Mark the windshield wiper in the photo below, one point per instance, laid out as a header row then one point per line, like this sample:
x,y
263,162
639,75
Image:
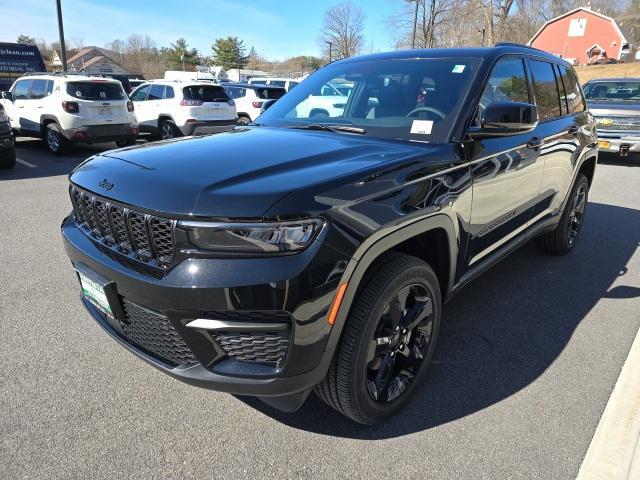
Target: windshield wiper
x,y
331,128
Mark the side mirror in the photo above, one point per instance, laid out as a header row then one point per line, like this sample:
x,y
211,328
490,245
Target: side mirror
x,y
7,96
266,105
501,119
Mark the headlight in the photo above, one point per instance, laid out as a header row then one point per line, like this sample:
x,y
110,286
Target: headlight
x,y
277,237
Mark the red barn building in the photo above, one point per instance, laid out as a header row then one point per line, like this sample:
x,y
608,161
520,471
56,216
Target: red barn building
x,y
581,36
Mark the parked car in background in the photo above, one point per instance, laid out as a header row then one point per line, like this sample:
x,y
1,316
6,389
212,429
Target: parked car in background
x,y
66,108
135,83
283,82
17,59
615,103
7,143
303,254
172,109
326,101
250,98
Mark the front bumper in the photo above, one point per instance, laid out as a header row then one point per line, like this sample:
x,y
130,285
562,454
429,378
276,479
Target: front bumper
x,y
204,127
101,133
195,288
619,143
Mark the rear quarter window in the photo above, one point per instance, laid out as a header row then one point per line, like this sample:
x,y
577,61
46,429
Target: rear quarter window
x,y
96,90
269,93
205,93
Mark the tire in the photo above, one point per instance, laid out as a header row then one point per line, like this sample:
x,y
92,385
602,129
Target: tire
x,y
357,384
126,142
55,142
168,130
242,120
8,162
565,236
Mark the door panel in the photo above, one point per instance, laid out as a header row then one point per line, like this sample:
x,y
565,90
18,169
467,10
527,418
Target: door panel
x,y
506,171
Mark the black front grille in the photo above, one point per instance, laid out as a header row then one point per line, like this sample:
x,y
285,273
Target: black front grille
x,y
154,334
255,347
128,231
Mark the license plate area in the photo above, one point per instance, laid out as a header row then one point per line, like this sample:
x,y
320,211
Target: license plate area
x,y
603,144
101,293
104,110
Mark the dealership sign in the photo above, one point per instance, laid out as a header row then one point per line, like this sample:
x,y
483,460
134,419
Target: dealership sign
x,y
18,58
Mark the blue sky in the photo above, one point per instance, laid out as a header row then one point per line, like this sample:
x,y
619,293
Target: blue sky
x,y
276,28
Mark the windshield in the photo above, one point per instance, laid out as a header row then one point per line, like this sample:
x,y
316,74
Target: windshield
x,y
96,90
613,91
413,99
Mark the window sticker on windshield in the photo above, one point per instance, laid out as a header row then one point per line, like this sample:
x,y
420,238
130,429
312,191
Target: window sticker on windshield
x,y
421,127
458,69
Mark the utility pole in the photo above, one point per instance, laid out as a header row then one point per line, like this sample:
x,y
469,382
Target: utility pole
x,y
415,25
63,47
330,50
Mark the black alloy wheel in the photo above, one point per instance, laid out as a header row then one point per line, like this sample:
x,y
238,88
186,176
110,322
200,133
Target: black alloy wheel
x,y
400,343
387,342
565,236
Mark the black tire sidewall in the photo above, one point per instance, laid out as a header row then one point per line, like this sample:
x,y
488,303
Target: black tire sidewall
x,y
372,411
9,162
581,180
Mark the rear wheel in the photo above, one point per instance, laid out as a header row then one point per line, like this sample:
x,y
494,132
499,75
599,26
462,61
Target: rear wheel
x,y
242,120
169,130
565,236
126,142
8,162
55,142
387,343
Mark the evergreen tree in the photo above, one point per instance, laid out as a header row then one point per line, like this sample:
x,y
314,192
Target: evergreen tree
x,y
229,52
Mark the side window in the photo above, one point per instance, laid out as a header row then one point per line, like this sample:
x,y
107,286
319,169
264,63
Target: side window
x,y
507,83
168,92
49,87
140,95
156,92
574,96
21,90
38,89
545,89
562,90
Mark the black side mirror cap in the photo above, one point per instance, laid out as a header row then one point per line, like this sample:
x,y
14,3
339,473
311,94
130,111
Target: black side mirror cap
x,y
501,119
7,96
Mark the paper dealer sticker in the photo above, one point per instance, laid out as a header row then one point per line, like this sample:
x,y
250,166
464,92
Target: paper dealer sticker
x,y
421,127
458,69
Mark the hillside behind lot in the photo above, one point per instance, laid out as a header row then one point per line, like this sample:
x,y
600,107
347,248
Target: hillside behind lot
x,y
599,71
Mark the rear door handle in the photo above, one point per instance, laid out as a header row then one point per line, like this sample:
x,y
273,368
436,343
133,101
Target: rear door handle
x,y
535,142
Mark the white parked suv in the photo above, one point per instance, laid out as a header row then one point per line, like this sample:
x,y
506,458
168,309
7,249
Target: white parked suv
x,y
67,108
171,108
249,99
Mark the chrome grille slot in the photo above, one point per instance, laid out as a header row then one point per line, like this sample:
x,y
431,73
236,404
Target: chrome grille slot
x,y
149,238
618,123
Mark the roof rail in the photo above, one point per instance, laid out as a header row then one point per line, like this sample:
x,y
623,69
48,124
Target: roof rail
x,y
521,45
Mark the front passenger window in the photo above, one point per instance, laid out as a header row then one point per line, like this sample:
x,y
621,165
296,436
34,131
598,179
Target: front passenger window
x,y
141,94
507,83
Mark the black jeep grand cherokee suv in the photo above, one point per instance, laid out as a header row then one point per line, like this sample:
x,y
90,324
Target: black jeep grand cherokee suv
x,y
314,249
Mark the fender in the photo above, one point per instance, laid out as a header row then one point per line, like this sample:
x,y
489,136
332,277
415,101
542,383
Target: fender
x,y
46,118
373,248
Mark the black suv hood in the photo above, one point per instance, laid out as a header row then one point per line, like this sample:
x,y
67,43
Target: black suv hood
x,y
231,175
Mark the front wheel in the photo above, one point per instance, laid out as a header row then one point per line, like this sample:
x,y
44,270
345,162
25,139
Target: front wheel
x,y
387,342
9,162
565,236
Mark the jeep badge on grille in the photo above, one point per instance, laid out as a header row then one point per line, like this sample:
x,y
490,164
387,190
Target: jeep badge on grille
x,y
106,184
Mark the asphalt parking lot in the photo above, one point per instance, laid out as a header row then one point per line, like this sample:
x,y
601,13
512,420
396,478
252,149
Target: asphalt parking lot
x,y
527,359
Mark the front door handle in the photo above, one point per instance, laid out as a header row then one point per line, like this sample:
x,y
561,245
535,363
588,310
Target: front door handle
x,y
535,142
574,129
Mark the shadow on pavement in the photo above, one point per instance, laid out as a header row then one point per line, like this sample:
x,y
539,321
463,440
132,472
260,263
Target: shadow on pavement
x,y
503,331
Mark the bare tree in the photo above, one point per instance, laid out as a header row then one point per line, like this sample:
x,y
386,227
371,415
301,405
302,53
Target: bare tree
x,y
341,31
432,14
496,13
143,56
